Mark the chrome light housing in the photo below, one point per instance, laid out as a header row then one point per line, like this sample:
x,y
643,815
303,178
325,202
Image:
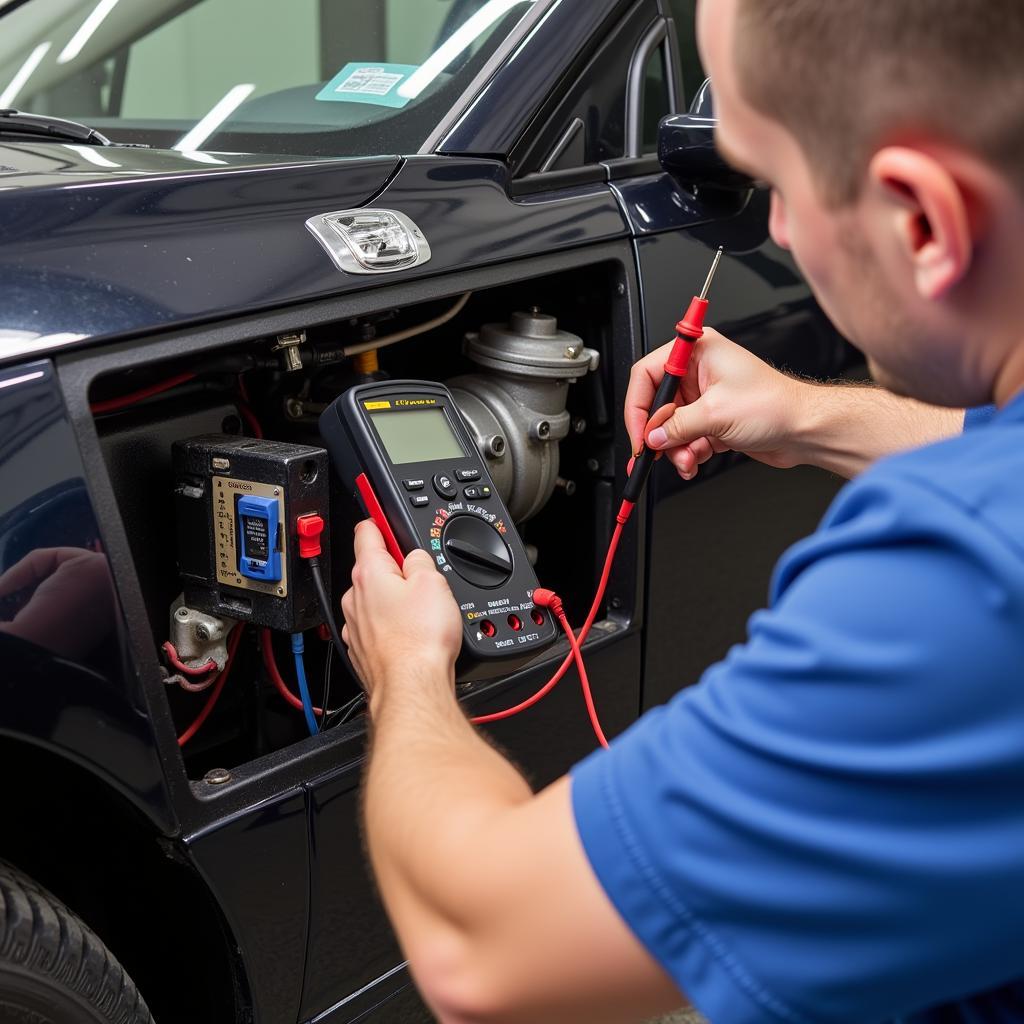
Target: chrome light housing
x,y
370,241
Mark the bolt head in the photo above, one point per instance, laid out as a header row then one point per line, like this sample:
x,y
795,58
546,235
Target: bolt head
x,y
620,289
202,633
217,777
182,613
543,428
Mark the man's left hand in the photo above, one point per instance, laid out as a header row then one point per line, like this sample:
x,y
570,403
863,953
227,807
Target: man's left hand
x,y
402,625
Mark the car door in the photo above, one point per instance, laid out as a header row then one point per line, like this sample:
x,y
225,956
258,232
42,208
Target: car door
x,y
713,541
605,128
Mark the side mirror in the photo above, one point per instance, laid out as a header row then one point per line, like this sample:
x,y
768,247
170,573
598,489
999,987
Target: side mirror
x,y
686,148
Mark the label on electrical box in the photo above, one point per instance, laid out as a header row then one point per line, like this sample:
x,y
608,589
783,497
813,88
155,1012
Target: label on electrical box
x,y
257,543
378,84
231,528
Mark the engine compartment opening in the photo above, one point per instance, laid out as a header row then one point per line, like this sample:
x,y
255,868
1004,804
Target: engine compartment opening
x,y
530,366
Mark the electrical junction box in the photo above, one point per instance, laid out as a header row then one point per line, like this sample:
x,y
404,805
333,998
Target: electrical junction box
x,y
237,503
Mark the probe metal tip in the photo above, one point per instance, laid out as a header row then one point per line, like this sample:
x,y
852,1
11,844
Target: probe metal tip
x,y
711,272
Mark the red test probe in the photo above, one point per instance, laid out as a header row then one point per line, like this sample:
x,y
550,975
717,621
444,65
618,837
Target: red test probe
x,y
689,331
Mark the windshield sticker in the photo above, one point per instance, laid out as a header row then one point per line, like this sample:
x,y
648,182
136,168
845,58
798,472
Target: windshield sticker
x,y
369,83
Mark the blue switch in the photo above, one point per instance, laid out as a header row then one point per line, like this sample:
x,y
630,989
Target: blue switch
x,y
259,557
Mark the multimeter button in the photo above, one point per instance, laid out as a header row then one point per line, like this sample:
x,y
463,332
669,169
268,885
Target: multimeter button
x,y
444,486
471,492
464,476
476,551
485,492
420,500
414,485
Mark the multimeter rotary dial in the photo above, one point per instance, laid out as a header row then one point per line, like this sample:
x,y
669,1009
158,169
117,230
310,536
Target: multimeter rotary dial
x,y
476,551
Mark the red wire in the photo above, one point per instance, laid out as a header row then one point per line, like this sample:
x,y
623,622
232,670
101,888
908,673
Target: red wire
x,y
250,418
172,656
588,696
606,572
245,408
275,676
218,688
113,404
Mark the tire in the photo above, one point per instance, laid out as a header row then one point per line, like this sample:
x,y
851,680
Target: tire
x,y
53,968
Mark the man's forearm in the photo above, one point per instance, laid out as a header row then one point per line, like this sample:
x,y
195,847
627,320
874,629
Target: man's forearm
x,y
846,427
433,785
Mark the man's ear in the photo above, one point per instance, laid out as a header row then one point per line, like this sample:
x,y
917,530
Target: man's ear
x,y
927,209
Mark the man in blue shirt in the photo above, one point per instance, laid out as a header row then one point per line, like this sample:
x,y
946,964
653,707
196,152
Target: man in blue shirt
x,y
830,826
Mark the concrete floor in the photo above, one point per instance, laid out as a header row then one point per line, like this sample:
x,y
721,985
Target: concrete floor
x,y
680,1017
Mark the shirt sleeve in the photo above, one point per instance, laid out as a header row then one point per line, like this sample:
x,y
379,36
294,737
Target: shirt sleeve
x,y
830,826
980,416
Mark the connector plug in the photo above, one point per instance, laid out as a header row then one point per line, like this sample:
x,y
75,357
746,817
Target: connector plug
x,y
544,598
309,528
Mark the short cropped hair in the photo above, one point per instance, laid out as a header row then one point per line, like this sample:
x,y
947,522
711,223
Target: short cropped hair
x,y
845,76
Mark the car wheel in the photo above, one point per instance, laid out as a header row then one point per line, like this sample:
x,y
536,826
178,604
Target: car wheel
x,y
53,968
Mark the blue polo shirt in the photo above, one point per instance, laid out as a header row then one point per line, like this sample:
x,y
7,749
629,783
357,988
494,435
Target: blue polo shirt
x,y
829,827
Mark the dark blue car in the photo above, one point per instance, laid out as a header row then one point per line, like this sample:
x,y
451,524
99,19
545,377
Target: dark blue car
x,y
216,216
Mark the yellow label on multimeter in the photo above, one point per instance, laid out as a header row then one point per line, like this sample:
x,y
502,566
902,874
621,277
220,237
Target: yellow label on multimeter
x,y
376,405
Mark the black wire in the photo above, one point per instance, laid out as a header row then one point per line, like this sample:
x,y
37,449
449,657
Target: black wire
x,y
332,627
325,689
353,706
343,714
325,609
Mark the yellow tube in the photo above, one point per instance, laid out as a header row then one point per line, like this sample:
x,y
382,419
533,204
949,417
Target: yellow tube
x,y
366,362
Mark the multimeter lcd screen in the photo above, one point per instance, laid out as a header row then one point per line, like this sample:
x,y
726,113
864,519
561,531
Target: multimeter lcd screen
x,y
419,435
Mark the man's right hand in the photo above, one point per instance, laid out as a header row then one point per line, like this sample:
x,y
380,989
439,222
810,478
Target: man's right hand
x,y
730,400
733,401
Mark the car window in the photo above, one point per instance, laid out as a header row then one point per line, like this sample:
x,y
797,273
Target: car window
x,y
596,102
325,77
683,13
656,103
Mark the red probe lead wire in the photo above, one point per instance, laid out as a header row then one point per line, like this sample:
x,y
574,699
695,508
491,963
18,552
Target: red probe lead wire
x,y
575,640
689,331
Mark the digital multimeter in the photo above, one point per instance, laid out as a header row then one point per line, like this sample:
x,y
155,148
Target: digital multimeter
x,y
404,449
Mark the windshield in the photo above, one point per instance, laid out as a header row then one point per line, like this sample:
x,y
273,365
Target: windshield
x,y
302,77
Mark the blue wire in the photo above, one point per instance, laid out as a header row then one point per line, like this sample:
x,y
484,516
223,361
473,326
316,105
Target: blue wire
x,y
300,673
